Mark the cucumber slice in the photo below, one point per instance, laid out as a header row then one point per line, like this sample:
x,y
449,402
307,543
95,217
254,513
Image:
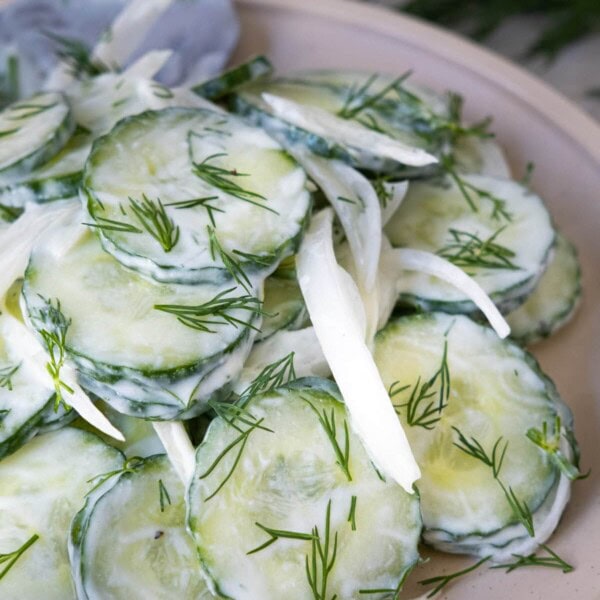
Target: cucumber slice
x,y
285,477
32,131
199,170
26,391
555,299
214,89
489,238
57,179
480,156
284,307
43,485
152,362
489,390
129,541
381,103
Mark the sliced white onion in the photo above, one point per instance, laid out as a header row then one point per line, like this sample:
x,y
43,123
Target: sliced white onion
x,y
17,241
371,413
178,447
35,354
148,65
345,132
309,360
427,262
397,191
356,205
128,31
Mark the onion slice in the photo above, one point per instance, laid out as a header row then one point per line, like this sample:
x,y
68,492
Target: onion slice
x,y
178,447
346,133
432,264
371,412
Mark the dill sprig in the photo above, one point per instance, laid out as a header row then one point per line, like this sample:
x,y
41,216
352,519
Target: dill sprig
x,y
234,413
3,414
549,443
203,202
468,250
419,414
328,422
129,466
154,219
76,55
8,132
389,593
352,513
319,562
105,224
240,443
473,448
233,266
163,495
11,558
499,210
223,179
6,374
531,560
274,375
442,581
54,336
216,311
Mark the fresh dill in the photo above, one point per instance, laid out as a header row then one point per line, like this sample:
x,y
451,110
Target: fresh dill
x,y
473,448
129,466
3,414
499,210
105,224
549,443
346,200
27,110
352,513
233,266
389,593
328,422
163,495
234,413
240,443
419,414
216,311
54,336
468,250
442,581
77,56
8,132
203,202
6,374
528,174
319,562
153,217
222,179
384,193
531,560
11,558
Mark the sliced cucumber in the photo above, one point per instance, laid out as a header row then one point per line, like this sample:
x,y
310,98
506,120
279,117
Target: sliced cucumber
x,y
284,307
214,89
57,179
277,470
379,103
490,238
490,391
43,485
200,170
121,342
555,299
129,541
481,156
26,390
32,131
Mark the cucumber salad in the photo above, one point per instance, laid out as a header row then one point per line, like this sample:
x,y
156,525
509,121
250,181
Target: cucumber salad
x,y
262,336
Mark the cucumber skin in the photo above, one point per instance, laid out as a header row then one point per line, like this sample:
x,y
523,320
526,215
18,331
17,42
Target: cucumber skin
x,y
45,152
41,190
215,89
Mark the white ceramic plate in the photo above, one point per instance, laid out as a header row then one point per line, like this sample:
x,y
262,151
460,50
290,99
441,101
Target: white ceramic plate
x,y
534,123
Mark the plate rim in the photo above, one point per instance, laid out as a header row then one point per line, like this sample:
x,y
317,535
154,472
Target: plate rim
x,y
527,88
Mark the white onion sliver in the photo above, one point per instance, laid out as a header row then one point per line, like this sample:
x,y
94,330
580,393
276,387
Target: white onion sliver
x,y
371,413
342,131
148,65
356,205
397,191
178,447
431,264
